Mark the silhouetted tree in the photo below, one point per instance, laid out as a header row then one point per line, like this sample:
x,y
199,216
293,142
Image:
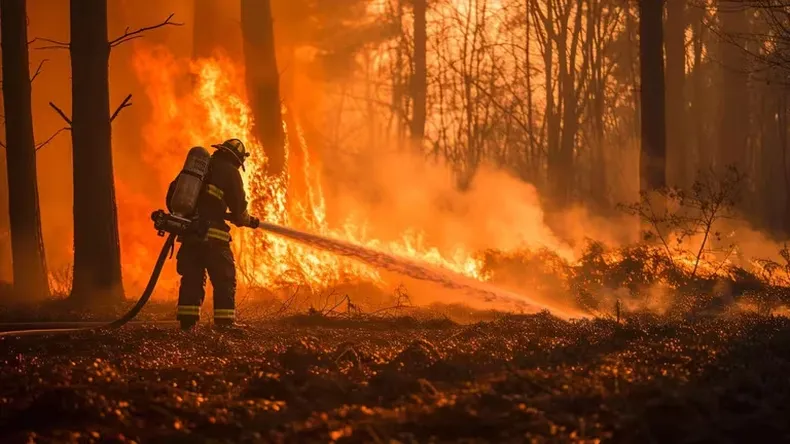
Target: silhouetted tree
x,y
734,123
207,31
677,159
419,83
651,61
263,80
27,245
97,251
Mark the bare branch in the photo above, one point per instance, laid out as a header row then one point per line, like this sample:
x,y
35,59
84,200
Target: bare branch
x,y
54,44
123,105
2,145
38,70
44,143
60,111
130,35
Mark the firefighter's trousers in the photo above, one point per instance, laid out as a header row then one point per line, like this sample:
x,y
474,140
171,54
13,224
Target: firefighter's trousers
x,y
194,259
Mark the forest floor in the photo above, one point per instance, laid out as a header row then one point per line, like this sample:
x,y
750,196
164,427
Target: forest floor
x,y
316,379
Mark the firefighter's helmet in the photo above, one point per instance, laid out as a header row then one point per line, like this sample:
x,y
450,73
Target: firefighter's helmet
x,y
236,148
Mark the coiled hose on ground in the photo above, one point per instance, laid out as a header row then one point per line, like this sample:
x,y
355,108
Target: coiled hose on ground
x,y
123,320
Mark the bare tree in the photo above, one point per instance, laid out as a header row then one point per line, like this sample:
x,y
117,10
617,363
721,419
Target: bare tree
x,y
651,61
734,123
97,251
699,155
27,244
675,91
206,31
263,85
419,83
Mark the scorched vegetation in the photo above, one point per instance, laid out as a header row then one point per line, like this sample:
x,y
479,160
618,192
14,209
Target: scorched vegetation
x,y
512,379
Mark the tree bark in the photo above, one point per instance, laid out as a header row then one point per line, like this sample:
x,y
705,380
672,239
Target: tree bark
x,y
206,34
27,244
97,252
651,64
532,156
419,83
263,83
701,155
675,45
734,123
597,86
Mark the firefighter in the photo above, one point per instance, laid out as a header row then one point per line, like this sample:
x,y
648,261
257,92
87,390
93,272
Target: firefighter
x,y
222,198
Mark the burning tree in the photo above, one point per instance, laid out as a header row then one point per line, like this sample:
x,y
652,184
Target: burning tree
x,y
27,245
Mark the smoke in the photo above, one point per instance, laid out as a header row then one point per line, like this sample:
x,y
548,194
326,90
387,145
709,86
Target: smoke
x,y
396,191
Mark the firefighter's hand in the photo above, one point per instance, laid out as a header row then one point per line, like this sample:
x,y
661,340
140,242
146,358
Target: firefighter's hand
x,y
254,222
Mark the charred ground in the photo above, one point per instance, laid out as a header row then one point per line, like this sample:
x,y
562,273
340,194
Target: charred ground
x,y
314,379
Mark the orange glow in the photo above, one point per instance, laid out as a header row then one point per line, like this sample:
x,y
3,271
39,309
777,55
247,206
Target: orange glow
x,y
215,110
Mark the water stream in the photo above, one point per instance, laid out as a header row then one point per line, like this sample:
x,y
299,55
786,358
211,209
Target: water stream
x,y
417,270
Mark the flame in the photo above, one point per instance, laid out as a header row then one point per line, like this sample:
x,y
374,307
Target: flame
x,y
212,109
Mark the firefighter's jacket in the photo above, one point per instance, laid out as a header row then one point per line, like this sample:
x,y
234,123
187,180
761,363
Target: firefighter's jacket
x,y
223,192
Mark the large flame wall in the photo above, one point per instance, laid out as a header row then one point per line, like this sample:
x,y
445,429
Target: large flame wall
x,y
202,102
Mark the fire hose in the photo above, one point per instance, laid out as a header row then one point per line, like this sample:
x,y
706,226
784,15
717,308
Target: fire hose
x,y
181,220
175,226
149,289
165,223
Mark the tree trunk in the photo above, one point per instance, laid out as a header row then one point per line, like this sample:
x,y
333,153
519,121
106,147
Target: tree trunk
x,y
6,271
551,113
419,83
701,158
675,44
262,78
651,64
598,80
97,252
734,123
531,168
206,33
27,245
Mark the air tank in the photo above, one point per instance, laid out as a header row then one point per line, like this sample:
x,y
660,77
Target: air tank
x,y
189,182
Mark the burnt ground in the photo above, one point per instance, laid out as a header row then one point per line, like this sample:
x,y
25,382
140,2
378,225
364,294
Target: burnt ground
x,y
724,379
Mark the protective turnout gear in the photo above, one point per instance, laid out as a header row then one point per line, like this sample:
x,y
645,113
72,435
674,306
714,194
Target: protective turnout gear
x,y
208,250
194,259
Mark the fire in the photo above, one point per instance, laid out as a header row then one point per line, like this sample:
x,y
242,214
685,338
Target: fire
x,y
213,109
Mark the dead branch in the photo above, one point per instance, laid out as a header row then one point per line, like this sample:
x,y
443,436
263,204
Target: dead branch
x,y
286,305
44,143
38,70
345,298
131,35
60,111
54,44
123,105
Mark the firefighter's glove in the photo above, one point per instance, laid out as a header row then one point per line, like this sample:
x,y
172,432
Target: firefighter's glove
x,y
254,222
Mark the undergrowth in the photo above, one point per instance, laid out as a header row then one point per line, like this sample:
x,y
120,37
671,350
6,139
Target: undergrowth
x,y
684,264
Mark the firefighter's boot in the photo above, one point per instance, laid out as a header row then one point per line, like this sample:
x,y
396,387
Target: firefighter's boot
x,y
188,324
